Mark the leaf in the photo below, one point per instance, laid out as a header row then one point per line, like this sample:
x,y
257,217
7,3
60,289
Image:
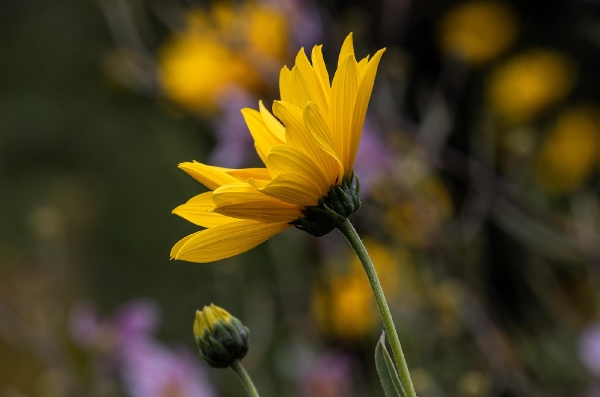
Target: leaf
x,y
387,370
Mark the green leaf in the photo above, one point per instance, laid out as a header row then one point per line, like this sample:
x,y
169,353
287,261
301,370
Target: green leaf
x,y
387,370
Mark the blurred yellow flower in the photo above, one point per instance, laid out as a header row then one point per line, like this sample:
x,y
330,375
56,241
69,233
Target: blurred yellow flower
x,y
267,31
478,31
386,265
418,218
219,49
345,308
526,85
311,154
569,153
337,302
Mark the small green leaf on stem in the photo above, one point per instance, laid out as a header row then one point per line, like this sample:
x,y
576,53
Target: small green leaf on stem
x,y
387,371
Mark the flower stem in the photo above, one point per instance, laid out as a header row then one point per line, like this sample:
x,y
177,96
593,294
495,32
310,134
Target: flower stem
x,y
356,243
239,369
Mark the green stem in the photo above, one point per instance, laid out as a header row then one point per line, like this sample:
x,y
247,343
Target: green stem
x,y
356,243
244,378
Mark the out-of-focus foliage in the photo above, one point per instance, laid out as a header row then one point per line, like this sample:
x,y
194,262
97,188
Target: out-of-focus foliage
x,y
480,199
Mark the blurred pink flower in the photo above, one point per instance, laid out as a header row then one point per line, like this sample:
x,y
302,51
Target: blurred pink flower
x,y
234,143
149,369
330,376
307,24
131,320
374,158
589,348
146,367
594,391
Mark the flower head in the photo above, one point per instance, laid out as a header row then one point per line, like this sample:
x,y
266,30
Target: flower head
x,y
221,338
309,150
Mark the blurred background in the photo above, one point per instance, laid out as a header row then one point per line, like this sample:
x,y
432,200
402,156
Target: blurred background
x,y
479,165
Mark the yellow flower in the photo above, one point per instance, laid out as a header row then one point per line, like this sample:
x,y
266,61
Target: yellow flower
x,y
308,158
218,49
478,31
526,85
570,151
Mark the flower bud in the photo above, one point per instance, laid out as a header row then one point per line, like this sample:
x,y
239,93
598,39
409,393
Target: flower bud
x,y
221,338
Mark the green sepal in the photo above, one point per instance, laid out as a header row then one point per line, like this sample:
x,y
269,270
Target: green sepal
x,y
341,201
387,370
226,342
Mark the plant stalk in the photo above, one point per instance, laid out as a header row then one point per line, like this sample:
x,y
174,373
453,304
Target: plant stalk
x,y
357,245
240,371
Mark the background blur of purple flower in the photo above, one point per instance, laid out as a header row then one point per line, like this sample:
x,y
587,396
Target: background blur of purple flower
x,y
234,142
146,367
306,22
132,320
594,391
149,369
329,376
374,158
589,348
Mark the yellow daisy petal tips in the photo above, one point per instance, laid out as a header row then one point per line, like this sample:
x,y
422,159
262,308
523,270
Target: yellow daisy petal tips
x,y
308,149
221,338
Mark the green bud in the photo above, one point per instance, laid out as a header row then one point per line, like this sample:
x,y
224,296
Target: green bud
x,y
221,338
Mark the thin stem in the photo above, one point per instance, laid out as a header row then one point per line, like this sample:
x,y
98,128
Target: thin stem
x,y
356,243
239,369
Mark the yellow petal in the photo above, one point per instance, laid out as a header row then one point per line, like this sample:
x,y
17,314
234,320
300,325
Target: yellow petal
x,y
209,176
180,244
343,91
315,122
298,136
199,211
272,123
347,49
244,174
285,159
285,84
244,201
361,65
316,93
321,70
360,108
294,189
300,91
226,240
263,136
258,183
